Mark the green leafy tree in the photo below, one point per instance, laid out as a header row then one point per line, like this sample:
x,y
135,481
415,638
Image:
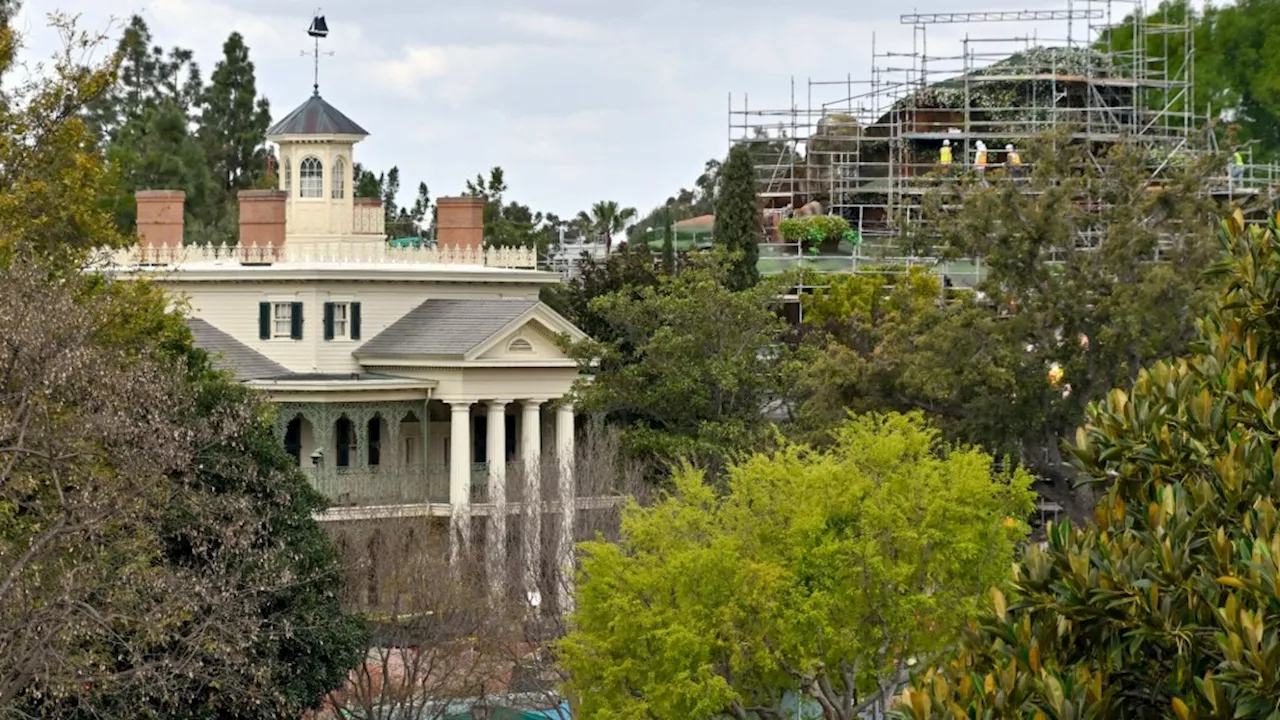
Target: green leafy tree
x,y
820,572
1077,295
1166,606
686,366
234,120
622,274
50,182
737,225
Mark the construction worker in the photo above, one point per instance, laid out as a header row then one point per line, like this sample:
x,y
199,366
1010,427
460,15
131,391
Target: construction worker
x,y
980,161
944,157
1237,165
1012,162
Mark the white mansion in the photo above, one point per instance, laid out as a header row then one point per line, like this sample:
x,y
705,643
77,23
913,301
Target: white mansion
x,y
405,378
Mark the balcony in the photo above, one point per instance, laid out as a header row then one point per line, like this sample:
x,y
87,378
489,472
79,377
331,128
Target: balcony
x,y
393,485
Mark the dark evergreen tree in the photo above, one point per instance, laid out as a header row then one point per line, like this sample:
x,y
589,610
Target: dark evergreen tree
x,y
668,244
737,225
145,78
367,184
234,120
156,150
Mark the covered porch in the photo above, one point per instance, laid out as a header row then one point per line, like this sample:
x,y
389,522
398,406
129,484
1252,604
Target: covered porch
x,y
382,454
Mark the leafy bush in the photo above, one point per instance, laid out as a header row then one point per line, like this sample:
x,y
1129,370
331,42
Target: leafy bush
x,y
813,228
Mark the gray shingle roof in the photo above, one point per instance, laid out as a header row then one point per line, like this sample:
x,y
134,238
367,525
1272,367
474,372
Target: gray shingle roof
x,y
315,117
231,354
445,327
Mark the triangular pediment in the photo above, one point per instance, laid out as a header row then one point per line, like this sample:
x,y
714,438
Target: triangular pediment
x,y
532,337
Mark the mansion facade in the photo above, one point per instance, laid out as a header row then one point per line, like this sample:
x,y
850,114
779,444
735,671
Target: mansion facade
x,y
407,380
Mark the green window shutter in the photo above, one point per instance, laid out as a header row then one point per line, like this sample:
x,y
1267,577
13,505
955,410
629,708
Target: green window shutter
x,y
295,331
264,321
328,321
353,320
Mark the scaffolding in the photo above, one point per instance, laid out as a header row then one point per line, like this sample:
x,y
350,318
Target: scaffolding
x,y
868,149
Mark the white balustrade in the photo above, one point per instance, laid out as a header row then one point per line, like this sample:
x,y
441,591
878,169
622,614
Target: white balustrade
x,y
337,252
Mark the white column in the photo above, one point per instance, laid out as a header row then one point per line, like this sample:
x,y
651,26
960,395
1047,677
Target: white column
x,y
459,477
531,451
568,503
496,545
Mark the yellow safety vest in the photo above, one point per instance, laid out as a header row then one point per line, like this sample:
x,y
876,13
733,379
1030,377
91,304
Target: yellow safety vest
x,y
982,158
1014,159
945,155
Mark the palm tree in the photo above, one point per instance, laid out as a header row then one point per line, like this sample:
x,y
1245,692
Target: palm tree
x,y
605,220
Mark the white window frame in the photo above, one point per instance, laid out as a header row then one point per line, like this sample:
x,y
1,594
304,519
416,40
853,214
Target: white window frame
x,y
341,325
278,318
311,178
339,181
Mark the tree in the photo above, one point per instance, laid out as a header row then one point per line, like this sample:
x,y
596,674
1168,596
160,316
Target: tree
x,y
235,118
620,274
605,220
156,150
50,182
444,638
685,366
1089,274
668,244
1165,607
367,185
146,78
158,555
737,226
512,224
820,572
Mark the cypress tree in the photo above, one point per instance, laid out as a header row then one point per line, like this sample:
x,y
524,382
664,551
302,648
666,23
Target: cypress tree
x,y
737,225
668,244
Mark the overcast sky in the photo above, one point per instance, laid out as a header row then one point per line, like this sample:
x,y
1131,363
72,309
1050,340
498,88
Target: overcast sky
x,y
577,100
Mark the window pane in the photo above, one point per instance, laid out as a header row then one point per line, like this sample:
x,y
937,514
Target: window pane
x,y
339,179
283,315
340,320
311,178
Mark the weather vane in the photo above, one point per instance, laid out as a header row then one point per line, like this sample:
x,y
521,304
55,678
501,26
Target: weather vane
x,y
317,30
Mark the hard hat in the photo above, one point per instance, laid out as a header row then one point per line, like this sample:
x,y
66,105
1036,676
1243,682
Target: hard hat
x,y
1009,148
946,142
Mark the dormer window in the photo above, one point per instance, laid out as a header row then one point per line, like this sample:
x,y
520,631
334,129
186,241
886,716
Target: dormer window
x,y
311,178
339,179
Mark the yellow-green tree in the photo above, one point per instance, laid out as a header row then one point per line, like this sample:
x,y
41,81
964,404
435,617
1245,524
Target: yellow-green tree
x,y
826,573
1167,606
50,183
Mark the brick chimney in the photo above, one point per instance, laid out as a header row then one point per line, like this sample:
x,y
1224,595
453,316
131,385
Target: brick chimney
x,y
460,222
262,221
160,218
